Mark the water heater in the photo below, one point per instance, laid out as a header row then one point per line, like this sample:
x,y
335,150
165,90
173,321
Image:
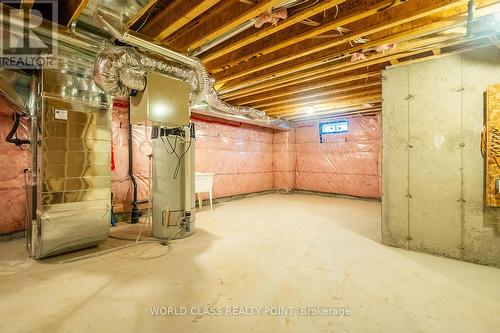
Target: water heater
x,y
164,104
173,182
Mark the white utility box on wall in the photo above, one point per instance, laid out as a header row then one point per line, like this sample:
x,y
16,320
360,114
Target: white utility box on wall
x,y
165,101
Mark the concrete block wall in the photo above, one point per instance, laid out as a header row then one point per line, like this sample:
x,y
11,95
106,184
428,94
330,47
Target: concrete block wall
x,y
432,169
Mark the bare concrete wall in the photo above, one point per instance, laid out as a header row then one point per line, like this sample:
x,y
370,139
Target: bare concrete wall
x,y
432,167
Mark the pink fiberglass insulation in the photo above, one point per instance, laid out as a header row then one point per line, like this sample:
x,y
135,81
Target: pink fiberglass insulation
x,y
345,163
12,182
247,158
120,181
284,159
141,138
244,158
240,155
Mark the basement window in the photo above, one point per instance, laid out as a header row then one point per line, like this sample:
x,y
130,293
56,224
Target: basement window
x,y
335,127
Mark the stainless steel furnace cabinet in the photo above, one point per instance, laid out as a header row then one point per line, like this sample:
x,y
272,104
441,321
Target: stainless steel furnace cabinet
x,y
72,176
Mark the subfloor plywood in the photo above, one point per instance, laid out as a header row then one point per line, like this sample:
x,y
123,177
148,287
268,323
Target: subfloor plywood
x,y
270,250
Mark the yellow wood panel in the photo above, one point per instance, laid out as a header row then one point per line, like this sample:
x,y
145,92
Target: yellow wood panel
x,y
493,145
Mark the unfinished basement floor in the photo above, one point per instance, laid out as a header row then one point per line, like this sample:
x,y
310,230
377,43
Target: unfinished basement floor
x,y
289,250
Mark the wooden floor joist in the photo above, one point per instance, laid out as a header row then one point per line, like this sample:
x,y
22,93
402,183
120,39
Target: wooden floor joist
x,y
302,88
215,24
419,27
303,76
281,40
177,14
264,32
324,105
479,44
370,24
146,9
306,59
357,109
318,95
358,94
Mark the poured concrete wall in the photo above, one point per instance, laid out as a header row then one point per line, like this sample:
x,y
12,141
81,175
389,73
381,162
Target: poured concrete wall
x,y
432,169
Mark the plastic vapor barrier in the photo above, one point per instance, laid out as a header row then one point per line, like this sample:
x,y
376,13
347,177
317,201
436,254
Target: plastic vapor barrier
x,y
240,155
13,201
284,159
244,158
141,137
345,163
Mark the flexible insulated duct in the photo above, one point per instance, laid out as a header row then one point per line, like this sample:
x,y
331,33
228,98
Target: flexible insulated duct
x,y
118,70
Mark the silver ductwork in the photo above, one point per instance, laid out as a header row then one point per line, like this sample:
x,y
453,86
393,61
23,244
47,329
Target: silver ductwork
x,y
15,87
118,70
266,121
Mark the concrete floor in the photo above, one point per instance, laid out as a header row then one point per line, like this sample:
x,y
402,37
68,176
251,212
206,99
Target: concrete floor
x,y
271,250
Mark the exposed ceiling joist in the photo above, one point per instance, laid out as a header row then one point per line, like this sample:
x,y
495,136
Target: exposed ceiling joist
x,y
286,85
354,110
264,32
306,58
324,105
230,15
70,10
282,40
393,18
146,9
358,94
323,83
257,82
177,14
473,45
319,94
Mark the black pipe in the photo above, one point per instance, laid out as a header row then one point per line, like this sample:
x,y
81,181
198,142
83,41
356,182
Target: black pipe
x,y
135,213
10,137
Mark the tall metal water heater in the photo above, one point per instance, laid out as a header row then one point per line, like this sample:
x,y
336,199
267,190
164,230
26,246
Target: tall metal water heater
x,y
164,104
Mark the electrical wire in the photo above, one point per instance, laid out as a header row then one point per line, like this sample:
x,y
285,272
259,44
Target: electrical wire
x,y
147,17
174,151
101,253
178,166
